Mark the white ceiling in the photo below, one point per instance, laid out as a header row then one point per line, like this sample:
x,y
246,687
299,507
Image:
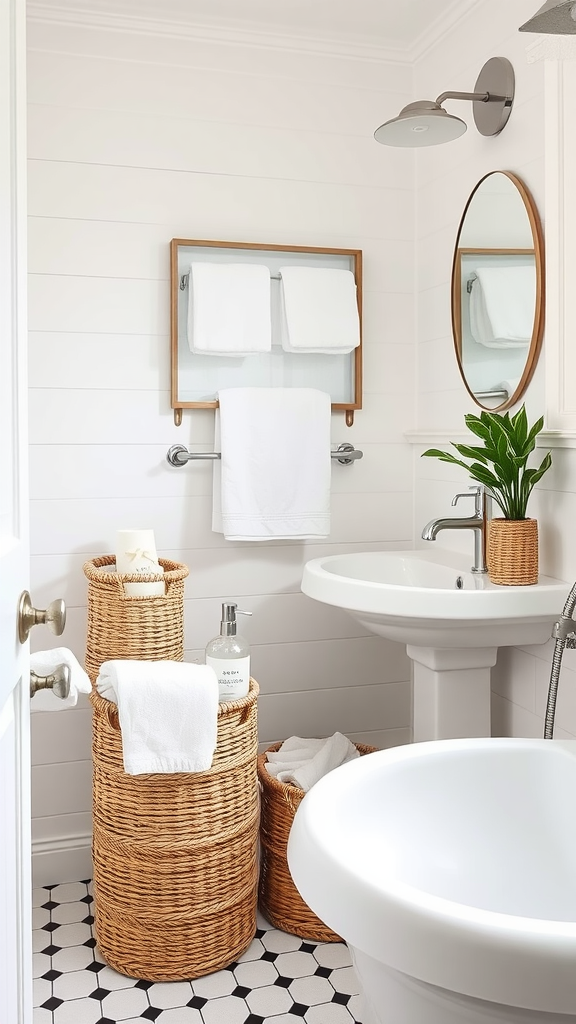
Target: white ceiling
x,y
397,25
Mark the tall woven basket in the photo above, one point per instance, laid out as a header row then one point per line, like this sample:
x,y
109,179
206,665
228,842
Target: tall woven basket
x,y
142,628
279,899
175,856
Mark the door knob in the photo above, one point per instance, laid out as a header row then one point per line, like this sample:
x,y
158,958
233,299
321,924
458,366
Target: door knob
x,y
54,616
58,681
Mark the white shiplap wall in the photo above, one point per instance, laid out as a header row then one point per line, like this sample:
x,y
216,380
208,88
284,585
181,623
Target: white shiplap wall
x,y
445,177
134,140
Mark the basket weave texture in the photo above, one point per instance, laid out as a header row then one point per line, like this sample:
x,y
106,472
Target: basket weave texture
x,y
279,899
513,551
175,856
141,628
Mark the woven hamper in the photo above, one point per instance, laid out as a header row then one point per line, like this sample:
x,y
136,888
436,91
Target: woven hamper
x,y
143,628
175,856
279,899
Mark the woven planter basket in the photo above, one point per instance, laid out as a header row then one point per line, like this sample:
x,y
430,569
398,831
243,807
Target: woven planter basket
x,y
513,551
175,856
279,899
141,628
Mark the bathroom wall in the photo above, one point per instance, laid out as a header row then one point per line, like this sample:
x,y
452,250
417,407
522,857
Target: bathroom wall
x,y
445,177
135,139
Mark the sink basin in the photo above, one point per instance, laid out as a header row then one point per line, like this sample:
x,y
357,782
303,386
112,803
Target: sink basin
x,y
451,620
449,868
414,597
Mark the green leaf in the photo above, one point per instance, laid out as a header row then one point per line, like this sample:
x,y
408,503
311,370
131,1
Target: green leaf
x,y
483,475
435,453
471,452
508,470
477,426
499,422
542,468
444,457
498,433
520,428
530,443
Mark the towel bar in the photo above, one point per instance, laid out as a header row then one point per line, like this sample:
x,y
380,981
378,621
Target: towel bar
x,y
185,278
497,393
178,455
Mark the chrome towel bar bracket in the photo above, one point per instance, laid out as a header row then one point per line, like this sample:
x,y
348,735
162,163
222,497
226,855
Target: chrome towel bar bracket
x,y
178,455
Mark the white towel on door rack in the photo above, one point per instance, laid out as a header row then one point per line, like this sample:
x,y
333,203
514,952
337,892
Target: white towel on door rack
x,y
273,479
319,310
229,309
44,663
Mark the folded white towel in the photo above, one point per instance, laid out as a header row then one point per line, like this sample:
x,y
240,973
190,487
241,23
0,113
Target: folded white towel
x,y
502,303
43,663
320,310
273,480
229,309
168,714
303,761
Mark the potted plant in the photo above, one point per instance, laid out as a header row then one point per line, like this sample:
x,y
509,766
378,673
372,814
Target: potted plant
x,y
501,465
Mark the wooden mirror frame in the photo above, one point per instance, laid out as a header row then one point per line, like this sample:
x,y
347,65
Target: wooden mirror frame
x,y
456,290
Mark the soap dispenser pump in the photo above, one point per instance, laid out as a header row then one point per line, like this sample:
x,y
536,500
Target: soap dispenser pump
x,y
229,655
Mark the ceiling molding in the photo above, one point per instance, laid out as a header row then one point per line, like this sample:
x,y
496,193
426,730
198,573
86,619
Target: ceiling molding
x,y
432,35
46,12
51,14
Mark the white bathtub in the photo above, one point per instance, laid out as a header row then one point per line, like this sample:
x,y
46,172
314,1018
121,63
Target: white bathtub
x,y
449,867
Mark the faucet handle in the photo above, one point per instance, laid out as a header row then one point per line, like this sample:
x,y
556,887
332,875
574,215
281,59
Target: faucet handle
x,y
470,493
482,499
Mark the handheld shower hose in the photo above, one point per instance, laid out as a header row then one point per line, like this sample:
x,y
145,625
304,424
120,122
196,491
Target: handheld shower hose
x,y
564,633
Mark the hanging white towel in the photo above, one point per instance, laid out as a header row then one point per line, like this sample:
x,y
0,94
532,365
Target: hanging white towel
x,y
319,310
229,309
303,761
43,663
502,304
168,714
273,480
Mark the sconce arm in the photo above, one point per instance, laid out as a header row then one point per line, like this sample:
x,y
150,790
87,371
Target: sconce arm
x,y
480,97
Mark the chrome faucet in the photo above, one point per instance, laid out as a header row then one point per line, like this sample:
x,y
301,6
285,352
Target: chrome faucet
x,y
478,523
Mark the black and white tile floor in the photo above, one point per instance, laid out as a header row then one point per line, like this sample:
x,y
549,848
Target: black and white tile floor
x,y
280,979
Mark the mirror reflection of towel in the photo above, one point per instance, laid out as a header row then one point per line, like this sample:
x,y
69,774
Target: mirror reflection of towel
x,y
510,386
502,305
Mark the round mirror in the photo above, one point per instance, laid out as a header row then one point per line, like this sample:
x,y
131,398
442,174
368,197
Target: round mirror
x,y
498,291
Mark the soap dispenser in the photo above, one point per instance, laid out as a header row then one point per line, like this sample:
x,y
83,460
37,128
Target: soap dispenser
x,y
229,655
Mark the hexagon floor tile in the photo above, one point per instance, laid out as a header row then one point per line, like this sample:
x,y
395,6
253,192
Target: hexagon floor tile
x,y
280,979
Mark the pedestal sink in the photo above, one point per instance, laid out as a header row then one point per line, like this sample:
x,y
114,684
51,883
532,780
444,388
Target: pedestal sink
x,y
451,620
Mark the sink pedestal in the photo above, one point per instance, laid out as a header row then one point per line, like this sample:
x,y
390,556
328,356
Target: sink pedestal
x,y
451,691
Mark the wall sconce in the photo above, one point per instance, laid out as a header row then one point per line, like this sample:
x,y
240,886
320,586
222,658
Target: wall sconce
x,y
426,123
555,17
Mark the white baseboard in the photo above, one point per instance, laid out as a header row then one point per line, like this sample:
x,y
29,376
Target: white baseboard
x,y
66,859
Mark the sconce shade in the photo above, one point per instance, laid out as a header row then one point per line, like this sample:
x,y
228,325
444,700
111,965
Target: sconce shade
x,y
423,123
427,123
555,17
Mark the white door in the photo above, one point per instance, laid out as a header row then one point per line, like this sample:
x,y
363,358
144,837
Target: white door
x,y
15,923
